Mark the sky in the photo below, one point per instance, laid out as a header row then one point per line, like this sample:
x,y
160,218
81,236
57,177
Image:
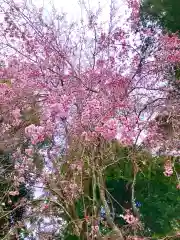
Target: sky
x,y
74,10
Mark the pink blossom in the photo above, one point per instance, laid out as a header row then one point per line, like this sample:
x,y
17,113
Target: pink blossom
x,y
21,179
129,218
77,166
95,228
5,127
16,113
36,133
17,116
109,129
168,168
91,112
135,238
13,193
57,109
29,151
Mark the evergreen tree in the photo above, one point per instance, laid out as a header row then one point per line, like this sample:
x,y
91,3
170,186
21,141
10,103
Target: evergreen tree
x,y
166,13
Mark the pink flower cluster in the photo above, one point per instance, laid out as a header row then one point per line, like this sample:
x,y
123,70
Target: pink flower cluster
x,y
109,129
35,133
29,152
57,109
13,193
128,130
135,238
91,112
17,116
134,5
129,218
77,166
168,168
89,136
71,190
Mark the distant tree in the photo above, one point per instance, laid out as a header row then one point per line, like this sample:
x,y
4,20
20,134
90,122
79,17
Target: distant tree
x,y
166,13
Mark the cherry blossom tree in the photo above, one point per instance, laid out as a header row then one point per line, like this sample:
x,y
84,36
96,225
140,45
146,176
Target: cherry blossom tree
x,y
70,93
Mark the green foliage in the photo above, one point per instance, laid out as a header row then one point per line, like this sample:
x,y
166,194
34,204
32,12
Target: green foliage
x,y
6,167
166,13
160,200
122,169
71,237
44,144
157,193
9,202
80,208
